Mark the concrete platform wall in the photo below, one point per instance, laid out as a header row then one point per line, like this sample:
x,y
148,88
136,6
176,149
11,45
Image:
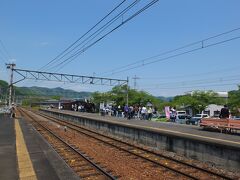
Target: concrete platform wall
x,y
227,157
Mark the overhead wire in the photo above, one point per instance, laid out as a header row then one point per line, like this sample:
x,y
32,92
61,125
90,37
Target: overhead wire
x,y
64,53
209,45
3,59
199,81
70,48
190,87
95,34
75,42
68,60
145,61
176,55
195,74
5,50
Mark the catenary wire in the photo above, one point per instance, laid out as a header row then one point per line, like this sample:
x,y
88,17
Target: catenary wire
x,y
5,50
135,2
4,60
191,87
68,60
195,74
175,55
75,42
96,33
65,52
216,43
200,42
198,81
232,78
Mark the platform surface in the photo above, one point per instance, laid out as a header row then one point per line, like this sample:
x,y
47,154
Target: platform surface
x,y
181,130
8,159
46,162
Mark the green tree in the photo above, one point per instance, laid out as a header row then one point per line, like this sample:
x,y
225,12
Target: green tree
x,y
56,97
118,96
32,101
198,100
101,97
234,101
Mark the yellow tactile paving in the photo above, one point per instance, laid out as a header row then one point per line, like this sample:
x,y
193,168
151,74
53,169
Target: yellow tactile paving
x,y
29,178
25,168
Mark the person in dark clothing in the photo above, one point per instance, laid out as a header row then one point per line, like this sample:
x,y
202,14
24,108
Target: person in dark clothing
x,y
224,112
12,112
126,109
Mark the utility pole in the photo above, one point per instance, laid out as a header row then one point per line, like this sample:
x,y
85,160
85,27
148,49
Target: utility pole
x,y
14,96
11,67
135,81
127,91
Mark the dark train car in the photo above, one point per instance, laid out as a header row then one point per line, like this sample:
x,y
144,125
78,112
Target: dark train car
x,y
79,105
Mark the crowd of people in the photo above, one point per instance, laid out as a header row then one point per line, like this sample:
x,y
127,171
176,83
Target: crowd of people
x,y
130,112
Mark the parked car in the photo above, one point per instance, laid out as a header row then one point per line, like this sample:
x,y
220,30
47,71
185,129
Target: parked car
x,y
181,113
236,117
195,120
181,119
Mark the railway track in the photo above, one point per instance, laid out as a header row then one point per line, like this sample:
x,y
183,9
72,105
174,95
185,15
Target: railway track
x,y
182,168
78,161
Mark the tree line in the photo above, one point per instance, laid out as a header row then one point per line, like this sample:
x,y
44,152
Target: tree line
x,y
197,100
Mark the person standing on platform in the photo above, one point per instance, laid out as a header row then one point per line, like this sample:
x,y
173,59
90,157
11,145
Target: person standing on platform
x,y
12,111
119,111
149,112
126,109
144,112
173,114
224,112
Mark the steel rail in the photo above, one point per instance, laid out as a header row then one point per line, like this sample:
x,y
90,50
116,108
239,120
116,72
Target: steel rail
x,y
211,173
98,168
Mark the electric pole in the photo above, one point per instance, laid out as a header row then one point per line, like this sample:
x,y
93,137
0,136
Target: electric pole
x,y
135,81
10,66
127,90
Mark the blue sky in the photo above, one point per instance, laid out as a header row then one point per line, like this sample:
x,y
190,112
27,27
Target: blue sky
x,y
34,32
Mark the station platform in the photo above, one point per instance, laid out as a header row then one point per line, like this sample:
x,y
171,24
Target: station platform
x,y
215,148
25,154
182,130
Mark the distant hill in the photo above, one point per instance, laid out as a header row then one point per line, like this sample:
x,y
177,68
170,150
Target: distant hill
x,y
3,87
49,92
166,99
43,92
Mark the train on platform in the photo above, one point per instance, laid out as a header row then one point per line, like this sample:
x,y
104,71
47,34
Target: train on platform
x,y
78,105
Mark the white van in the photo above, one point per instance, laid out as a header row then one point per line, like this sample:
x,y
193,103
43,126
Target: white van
x,y
181,117
181,113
